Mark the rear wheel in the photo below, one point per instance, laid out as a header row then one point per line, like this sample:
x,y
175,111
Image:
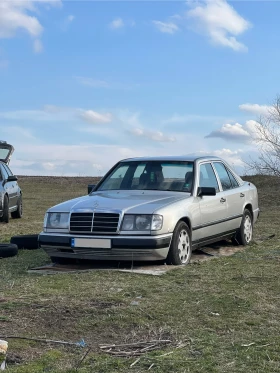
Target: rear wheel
x,y
181,247
245,233
18,213
6,215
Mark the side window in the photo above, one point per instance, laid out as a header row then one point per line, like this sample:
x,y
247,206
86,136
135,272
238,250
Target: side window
x,y
9,172
234,183
4,173
223,175
207,177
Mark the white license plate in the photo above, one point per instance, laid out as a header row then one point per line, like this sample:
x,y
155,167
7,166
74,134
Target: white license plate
x,y
97,243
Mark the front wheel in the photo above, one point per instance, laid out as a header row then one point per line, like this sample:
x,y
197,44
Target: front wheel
x,y
245,233
181,247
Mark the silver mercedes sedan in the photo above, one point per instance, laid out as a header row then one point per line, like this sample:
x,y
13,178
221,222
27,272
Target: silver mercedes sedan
x,y
153,209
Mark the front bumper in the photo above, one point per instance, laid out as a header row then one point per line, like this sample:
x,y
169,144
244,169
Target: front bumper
x,y
136,248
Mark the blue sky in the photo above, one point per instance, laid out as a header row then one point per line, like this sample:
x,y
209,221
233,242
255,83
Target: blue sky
x,y
86,83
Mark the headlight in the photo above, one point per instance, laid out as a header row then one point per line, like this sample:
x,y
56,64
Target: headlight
x,y
128,223
142,223
157,221
57,220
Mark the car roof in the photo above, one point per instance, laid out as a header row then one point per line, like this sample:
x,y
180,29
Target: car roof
x,y
181,158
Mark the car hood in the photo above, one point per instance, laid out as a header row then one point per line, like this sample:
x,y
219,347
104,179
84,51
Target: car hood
x,y
140,202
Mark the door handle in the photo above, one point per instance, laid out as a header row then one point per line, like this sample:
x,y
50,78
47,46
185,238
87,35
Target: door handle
x,y
242,195
222,200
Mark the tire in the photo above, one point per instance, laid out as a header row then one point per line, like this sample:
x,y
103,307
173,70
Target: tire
x,y
18,213
27,242
245,232
6,215
8,250
181,246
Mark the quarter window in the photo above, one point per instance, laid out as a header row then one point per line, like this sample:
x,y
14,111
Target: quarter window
x,y
223,175
234,183
116,178
207,177
9,172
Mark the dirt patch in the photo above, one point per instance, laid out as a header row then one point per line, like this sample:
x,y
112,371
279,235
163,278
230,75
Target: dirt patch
x,y
220,249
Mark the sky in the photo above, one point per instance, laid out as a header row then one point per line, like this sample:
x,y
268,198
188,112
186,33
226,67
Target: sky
x,y
87,83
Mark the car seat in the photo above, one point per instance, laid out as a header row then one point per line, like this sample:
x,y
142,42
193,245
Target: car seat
x,y
152,176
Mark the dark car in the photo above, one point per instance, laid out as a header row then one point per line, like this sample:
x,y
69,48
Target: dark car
x,y
10,192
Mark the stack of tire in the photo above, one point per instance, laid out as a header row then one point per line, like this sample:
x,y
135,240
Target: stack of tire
x,y
24,242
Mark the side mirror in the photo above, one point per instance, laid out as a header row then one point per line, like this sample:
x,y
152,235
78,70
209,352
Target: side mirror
x,y
206,191
12,178
91,187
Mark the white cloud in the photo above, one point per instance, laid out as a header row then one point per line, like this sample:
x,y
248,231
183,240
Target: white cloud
x,y
42,153
256,109
37,46
101,83
70,18
191,118
236,132
15,16
95,83
53,109
152,135
72,160
233,157
18,132
166,27
129,118
55,114
38,115
67,21
93,117
220,22
117,23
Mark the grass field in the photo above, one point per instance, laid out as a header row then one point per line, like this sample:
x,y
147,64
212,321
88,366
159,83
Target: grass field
x,y
221,315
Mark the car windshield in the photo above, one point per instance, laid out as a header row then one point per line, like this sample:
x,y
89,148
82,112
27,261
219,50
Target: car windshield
x,y
150,175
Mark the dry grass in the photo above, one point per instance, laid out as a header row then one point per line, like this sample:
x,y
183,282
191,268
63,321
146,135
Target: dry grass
x,y
225,311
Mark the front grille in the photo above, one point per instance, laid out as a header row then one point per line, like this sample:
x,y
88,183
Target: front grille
x,y
88,222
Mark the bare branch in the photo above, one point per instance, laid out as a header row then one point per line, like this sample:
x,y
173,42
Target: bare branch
x,y
267,139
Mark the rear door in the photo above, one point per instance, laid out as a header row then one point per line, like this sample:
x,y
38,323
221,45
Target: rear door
x,y
233,193
6,151
213,209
